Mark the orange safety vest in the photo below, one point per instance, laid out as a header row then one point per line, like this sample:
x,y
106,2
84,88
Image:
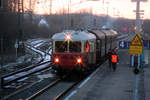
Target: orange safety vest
x,y
87,47
114,58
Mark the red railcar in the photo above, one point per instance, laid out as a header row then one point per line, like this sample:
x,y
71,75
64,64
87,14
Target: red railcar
x,y
81,50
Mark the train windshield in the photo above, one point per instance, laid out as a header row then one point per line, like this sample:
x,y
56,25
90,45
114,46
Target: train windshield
x,y
61,46
64,46
75,46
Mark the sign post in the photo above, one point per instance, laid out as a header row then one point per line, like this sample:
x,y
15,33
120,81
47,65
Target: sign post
x,y
136,50
138,13
16,46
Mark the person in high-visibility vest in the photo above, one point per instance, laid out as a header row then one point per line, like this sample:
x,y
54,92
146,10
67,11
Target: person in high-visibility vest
x,y
114,60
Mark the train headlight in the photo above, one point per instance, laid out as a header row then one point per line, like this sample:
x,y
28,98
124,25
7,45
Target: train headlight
x,y
56,60
79,60
68,37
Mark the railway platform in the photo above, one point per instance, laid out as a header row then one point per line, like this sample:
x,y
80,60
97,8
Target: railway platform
x,y
122,84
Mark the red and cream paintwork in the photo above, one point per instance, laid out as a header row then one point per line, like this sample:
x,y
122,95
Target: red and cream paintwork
x,y
85,55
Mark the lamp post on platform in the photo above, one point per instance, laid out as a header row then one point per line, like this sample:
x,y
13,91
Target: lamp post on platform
x,y
138,20
138,32
138,14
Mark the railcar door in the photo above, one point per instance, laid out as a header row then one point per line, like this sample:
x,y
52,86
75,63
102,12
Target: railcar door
x,y
98,49
111,43
105,44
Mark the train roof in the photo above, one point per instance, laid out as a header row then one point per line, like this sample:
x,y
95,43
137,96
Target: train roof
x,y
110,32
76,35
101,33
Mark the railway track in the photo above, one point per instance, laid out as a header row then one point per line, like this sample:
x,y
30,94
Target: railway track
x,y
50,88
35,95
14,76
18,76
30,89
38,49
47,89
55,90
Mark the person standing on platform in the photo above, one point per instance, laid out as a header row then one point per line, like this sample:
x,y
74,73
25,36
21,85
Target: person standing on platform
x,y
136,69
109,58
114,60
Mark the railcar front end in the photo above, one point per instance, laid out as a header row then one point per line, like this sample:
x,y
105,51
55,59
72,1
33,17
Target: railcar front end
x,y
67,55
74,51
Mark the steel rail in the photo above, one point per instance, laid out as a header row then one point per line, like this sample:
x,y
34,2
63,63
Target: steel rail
x,y
23,70
66,91
37,53
38,49
75,84
20,77
43,90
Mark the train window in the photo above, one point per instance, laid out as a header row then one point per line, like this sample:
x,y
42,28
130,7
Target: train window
x,y
92,46
87,47
60,46
75,46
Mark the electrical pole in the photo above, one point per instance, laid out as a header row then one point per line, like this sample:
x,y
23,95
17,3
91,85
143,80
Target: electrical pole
x,y
2,51
30,4
138,13
50,12
138,21
71,19
68,13
20,33
30,11
107,8
138,30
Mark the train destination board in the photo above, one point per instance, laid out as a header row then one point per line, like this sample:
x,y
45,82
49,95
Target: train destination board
x,y
136,46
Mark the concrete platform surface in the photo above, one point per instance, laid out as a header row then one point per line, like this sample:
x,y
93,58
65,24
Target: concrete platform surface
x,y
122,84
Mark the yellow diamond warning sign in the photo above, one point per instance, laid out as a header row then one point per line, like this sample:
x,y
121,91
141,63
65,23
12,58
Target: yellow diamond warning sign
x,y
136,41
136,46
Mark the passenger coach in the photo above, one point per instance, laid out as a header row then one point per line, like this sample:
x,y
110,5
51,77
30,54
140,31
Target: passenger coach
x,y
81,50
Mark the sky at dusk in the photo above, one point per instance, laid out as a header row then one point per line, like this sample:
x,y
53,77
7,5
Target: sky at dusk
x,y
116,8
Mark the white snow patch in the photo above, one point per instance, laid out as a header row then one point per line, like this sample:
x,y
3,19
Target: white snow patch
x,y
47,58
23,79
25,73
38,45
37,41
45,76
